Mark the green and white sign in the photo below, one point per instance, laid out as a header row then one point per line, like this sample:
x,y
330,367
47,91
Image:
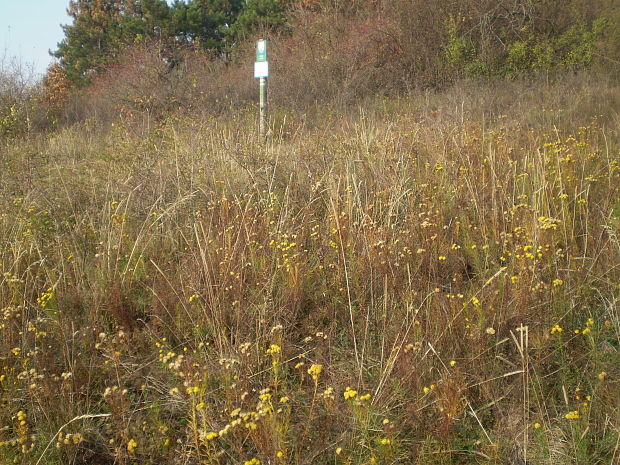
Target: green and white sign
x,y
261,50
261,67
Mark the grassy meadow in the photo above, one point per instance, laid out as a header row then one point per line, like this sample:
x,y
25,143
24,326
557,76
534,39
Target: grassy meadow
x,y
425,280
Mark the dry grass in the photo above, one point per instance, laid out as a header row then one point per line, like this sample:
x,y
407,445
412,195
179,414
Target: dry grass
x,y
420,282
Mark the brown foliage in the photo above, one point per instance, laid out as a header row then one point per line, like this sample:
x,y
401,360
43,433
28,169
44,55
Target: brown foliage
x,y
334,51
150,82
56,89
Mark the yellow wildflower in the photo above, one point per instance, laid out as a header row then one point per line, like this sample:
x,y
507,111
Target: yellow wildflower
x,y
349,393
315,370
131,446
574,415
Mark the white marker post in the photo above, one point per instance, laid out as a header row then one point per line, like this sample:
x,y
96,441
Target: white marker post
x,y
261,71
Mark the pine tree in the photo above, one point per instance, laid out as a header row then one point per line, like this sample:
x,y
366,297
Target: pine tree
x,y
259,14
207,23
91,39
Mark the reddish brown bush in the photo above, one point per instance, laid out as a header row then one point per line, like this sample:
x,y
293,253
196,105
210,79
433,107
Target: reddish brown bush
x,y
149,83
55,90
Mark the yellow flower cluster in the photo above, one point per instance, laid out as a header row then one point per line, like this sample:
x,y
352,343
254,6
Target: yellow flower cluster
x,y
131,446
68,439
193,390
274,349
556,329
45,297
548,223
349,393
315,370
21,417
574,415
429,389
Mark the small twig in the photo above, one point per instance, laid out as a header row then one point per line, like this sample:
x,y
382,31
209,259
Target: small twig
x,y
81,417
473,412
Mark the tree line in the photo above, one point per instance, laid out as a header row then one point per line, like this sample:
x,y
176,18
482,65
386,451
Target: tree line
x,y
464,38
159,56
101,29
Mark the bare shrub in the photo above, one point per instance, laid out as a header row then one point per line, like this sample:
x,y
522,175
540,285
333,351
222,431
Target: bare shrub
x,y
17,89
148,84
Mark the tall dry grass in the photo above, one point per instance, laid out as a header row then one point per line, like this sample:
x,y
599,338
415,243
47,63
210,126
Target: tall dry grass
x,y
423,280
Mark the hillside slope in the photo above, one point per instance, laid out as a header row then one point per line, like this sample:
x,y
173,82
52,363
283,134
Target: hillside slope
x,y
430,280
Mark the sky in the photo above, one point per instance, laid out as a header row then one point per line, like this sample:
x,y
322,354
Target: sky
x,y
29,29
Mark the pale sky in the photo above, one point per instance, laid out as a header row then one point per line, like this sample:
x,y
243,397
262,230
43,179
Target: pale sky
x,y
30,28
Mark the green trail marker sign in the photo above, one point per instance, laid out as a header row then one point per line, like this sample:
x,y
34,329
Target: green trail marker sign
x,y
261,50
261,72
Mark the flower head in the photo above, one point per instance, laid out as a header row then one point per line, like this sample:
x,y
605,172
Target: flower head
x,y
349,393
